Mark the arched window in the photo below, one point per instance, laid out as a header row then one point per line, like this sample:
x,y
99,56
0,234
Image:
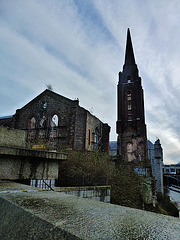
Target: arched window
x,y
141,151
130,154
42,123
96,135
129,147
32,123
54,121
129,106
129,98
128,79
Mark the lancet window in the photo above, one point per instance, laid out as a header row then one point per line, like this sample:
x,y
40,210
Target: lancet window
x,y
54,121
42,123
129,98
96,135
32,123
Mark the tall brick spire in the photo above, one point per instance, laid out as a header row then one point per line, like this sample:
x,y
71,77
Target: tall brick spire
x,y
130,70
131,127
129,56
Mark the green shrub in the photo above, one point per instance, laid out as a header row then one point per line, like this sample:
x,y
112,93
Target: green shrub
x,y
127,188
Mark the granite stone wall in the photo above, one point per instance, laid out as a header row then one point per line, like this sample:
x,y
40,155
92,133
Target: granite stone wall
x,y
12,137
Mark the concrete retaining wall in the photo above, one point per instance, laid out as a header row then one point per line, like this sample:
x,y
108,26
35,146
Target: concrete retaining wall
x,y
17,223
13,167
16,163
54,215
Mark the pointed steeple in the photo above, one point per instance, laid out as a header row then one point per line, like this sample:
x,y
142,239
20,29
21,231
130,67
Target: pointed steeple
x,y
131,127
129,56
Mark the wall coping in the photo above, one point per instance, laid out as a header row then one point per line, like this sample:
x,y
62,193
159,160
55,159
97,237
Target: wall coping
x,y
32,153
54,215
84,188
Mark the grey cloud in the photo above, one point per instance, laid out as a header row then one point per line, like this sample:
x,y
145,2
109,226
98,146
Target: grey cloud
x,y
49,42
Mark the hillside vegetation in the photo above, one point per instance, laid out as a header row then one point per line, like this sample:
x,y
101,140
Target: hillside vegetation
x,y
127,189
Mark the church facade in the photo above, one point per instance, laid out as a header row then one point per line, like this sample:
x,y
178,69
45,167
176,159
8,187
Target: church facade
x,y
54,120
130,126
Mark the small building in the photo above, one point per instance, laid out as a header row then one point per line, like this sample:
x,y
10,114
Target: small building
x,y
54,120
173,169
171,174
155,155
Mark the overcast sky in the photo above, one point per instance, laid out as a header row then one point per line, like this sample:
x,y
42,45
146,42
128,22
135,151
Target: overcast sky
x,y
78,47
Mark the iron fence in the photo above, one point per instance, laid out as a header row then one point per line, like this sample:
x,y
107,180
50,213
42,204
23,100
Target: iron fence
x,y
82,181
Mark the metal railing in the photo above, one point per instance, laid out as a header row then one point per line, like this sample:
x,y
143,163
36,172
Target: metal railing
x,y
82,181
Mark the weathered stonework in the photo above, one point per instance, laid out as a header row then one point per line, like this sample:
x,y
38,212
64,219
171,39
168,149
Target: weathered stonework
x,y
155,155
17,163
12,137
6,121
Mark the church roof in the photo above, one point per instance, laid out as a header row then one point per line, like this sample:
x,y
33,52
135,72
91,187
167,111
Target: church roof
x,y
5,117
53,95
150,144
157,141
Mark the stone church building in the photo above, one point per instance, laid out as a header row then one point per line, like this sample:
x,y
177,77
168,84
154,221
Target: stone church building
x,y
131,127
58,121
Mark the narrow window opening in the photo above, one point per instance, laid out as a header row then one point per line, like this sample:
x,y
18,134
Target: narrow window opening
x,y
128,79
89,137
32,123
42,123
54,121
130,118
129,106
96,136
129,96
